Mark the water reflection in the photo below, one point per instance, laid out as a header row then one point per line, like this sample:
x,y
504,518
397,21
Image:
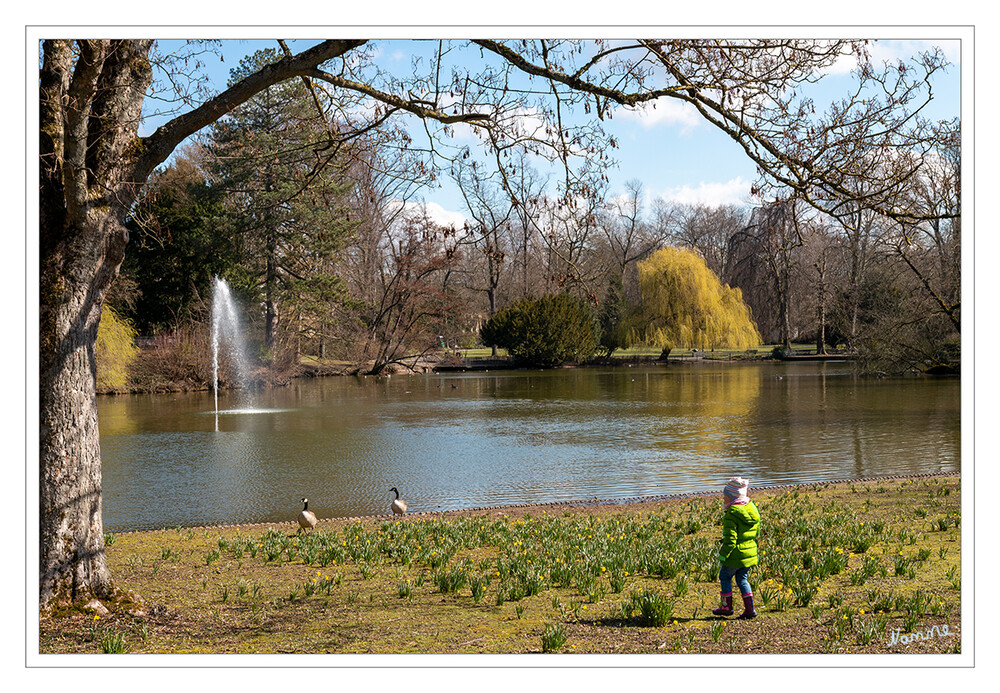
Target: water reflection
x,y
470,440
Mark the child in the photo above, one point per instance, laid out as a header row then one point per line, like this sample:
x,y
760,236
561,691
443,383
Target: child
x,y
738,552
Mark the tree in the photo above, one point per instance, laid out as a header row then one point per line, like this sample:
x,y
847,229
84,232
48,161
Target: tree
x,y
612,317
544,332
284,187
765,252
684,304
175,248
93,165
937,191
821,249
629,236
489,231
756,91
115,351
406,304
702,228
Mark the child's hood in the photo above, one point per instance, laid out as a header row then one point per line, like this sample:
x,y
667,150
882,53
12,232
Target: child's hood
x,y
747,512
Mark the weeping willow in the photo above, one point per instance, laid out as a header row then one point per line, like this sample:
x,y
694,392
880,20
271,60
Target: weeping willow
x,y
116,350
685,305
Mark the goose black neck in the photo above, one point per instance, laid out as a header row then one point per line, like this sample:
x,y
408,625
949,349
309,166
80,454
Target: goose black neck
x,y
396,492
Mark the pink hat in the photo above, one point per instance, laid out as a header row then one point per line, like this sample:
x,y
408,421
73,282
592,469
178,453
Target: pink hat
x,y
736,488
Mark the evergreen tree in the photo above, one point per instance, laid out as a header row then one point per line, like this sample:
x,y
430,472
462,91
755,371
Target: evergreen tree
x,y
544,332
612,314
279,162
176,249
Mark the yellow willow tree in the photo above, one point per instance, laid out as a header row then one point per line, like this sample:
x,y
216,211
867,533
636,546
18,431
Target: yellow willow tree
x,y
684,304
115,351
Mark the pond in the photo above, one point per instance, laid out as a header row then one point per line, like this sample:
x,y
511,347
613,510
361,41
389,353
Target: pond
x,y
467,440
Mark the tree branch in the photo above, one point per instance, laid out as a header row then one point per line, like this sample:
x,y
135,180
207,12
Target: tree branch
x,y
157,147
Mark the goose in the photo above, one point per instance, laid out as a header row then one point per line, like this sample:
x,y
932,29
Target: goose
x,y
307,519
398,505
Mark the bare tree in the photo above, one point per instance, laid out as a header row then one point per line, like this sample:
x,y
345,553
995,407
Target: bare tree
x,y
703,228
936,191
821,264
762,261
489,232
629,235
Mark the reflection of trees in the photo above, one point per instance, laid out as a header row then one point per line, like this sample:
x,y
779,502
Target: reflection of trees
x,y
843,426
117,417
704,412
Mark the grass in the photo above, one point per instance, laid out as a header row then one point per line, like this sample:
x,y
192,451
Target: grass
x,y
604,579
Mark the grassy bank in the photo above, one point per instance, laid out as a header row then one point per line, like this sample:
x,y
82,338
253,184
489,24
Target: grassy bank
x,y
850,568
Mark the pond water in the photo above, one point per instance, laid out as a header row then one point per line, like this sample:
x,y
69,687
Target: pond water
x,y
464,440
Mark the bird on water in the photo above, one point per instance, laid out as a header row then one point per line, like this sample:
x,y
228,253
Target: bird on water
x,y
398,505
307,519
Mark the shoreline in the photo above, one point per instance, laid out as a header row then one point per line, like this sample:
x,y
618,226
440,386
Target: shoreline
x,y
577,505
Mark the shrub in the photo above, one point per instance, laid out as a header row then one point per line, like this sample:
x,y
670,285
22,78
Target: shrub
x,y
544,332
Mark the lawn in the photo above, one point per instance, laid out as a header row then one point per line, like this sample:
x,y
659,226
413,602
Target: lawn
x,y
857,567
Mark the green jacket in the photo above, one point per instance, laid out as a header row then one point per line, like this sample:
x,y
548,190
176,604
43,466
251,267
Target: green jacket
x,y
740,525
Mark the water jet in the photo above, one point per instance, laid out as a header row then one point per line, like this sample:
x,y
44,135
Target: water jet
x,y
226,330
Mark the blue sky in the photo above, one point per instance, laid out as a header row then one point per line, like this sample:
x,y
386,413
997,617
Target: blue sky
x,y
675,154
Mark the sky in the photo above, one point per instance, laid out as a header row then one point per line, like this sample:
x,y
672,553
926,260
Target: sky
x,y
677,155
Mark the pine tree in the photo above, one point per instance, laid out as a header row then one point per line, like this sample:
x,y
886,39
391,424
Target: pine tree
x,y
281,165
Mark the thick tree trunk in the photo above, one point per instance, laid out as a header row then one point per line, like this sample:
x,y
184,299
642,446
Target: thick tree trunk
x,y
87,121
71,553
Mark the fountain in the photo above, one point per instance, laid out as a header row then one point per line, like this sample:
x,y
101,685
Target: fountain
x,y
226,328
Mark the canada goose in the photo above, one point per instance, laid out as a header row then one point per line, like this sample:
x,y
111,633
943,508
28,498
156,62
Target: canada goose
x,y
398,505
307,520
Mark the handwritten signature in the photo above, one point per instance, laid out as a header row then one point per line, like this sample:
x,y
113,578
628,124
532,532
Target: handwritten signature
x,y
907,638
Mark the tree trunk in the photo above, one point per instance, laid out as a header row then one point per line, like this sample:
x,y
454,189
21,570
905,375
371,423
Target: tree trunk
x,y
270,292
86,123
821,307
71,553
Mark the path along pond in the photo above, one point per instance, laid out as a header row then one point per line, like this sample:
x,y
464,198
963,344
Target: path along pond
x,y
468,440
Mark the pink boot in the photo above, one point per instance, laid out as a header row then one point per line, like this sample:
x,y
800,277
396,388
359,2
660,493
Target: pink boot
x,y
748,610
727,606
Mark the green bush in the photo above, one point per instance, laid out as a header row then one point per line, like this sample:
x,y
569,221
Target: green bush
x,y
544,332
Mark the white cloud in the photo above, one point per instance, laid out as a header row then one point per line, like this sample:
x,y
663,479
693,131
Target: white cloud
x,y
437,213
892,51
663,111
733,192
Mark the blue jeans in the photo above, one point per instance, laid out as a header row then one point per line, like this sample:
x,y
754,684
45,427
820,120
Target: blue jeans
x,y
726,576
